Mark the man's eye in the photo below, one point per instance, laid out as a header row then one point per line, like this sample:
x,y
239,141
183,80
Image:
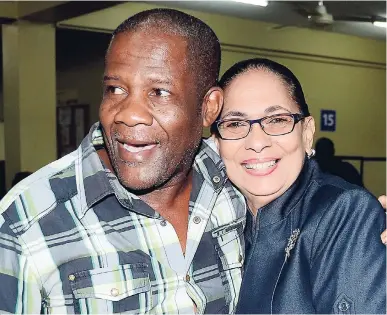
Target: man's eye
x,y
115,90
161,92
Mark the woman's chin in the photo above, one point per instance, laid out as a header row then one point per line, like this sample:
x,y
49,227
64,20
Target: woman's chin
x,y
263,191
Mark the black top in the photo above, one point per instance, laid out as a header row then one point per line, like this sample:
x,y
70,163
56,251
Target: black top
x,y
316,249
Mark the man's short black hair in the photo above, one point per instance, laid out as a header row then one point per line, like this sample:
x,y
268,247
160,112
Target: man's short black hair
x,y
204,51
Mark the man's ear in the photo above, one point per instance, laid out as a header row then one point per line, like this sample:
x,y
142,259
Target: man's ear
x,y
308,134
212,105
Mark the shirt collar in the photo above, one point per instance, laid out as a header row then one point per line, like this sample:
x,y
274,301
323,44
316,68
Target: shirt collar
x,y
92,177
209,164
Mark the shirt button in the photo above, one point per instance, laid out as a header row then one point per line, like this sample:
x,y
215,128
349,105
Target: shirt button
x,y
216,179
163,223
71,277
343,306
240,258
197,220
187,278
114,292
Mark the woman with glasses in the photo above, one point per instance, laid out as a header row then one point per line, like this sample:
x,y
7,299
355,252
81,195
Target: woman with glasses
x,y
312,240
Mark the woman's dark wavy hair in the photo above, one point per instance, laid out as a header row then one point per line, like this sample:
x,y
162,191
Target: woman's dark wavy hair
x,y
283,73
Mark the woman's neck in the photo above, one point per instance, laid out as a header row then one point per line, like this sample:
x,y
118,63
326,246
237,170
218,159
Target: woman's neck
x,y
256,202
254,205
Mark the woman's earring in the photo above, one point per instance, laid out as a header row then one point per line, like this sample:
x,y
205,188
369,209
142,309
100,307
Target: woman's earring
x,y
312,153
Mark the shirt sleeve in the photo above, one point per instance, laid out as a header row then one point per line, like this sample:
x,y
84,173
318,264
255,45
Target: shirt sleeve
x,y
348,261
19,287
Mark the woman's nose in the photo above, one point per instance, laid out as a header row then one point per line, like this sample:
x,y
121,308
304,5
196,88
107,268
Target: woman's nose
x,y
257,139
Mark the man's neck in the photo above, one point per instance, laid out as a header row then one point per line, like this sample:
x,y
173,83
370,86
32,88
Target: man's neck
x,y
171,200
170,194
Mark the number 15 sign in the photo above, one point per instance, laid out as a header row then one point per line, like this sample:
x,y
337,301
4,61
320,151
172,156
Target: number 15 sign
x,y
328,120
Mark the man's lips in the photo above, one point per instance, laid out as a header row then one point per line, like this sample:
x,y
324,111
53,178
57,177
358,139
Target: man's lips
x,y
138,148
136,151
137,142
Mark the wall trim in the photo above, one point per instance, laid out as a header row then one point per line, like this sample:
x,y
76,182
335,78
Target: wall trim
x,y
302,56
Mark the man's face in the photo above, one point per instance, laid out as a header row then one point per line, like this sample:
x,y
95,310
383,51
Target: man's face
x,y
149,113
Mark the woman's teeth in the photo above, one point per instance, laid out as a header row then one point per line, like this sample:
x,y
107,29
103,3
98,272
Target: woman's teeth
x,y
136,149
260,166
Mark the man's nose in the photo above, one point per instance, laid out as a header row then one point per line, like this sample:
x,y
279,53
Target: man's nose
x,y
134,110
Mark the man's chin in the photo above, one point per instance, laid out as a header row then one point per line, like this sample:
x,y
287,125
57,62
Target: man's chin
x,y
139,180
136,186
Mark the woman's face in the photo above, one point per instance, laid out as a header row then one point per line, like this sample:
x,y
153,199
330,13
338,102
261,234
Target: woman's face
x,y
263,167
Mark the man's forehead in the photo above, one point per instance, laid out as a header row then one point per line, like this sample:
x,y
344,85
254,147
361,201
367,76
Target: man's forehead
x,y
146,54
149,43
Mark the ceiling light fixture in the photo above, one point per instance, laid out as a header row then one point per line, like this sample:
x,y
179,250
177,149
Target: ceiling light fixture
x,y
380,24
261,3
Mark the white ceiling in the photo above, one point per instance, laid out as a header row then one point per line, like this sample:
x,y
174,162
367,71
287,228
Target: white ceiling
x,y
285,13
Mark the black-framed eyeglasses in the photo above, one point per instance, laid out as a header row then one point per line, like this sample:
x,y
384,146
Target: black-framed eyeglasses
x,y
275,125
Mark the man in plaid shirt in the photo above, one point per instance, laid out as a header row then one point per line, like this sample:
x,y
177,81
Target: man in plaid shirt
x,y
141,218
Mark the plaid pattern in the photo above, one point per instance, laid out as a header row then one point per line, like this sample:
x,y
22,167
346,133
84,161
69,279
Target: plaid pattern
x,y
73,240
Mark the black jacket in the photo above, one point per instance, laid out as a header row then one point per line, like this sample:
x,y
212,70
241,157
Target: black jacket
x,y
316,249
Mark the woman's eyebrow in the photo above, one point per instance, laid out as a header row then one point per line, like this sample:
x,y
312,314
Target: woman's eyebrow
x,y
274,108
235,113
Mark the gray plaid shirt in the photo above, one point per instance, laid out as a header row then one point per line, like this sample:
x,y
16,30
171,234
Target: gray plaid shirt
x,y
73,240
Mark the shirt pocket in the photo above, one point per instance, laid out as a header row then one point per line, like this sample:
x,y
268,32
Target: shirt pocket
x,y
125,288
229,244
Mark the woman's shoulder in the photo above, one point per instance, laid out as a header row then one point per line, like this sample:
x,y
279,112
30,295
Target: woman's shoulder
x,y
336,188
340,209
335,202
330,181
323,182
332,196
